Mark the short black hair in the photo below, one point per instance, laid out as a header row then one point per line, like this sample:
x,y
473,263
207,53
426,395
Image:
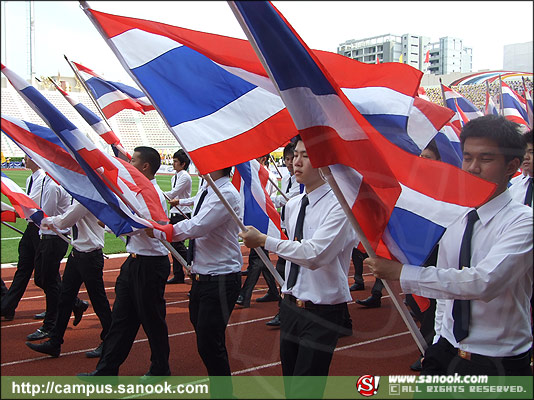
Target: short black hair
x,y
528,137
181,156
227,171
505,133
289,149
433,147
296,139
150,156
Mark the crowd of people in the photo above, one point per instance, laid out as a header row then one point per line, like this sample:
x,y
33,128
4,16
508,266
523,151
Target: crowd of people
x,y
472,283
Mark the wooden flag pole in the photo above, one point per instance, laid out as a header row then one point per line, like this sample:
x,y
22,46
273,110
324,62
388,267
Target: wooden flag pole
x,y
175,207
258,250
278,189
399,304
500,97
12,227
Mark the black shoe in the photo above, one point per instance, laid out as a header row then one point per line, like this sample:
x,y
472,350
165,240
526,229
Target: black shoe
x,y
38,335
241,302
357,286
150,378
370,302
96,353
417,366
46,347
175,280
78,312
267,298
275,321
40,315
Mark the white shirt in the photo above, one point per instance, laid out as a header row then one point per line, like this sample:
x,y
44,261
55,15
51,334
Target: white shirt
x,y
190,201
279,200
324,252
270,187
181,189
37,185
499,282
518,189
217,249
90,234
139,242
54,200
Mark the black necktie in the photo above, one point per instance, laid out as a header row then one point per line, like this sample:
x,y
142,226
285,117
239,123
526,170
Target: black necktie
x,y
30,186
74,232
461,309
191,248
294,271
528,197
175,179
283,213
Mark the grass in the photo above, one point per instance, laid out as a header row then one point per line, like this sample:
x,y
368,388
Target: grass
x,y
112,243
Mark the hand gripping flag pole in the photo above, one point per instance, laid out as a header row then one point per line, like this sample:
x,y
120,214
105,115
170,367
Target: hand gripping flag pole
x,y
175,207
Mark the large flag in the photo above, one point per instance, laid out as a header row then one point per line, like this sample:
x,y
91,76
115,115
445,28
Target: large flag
x,y
8,213
97,123
461,114
335,133
250,179
514,106
452,97
44,147
111,96
23,204
104,172
216,97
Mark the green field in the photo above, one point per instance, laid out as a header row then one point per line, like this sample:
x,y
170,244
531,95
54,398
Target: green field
x,y
113,244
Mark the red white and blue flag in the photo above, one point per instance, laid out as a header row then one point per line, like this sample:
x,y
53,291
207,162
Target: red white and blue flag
x,y
97,123
461,114
250,179
336,135
528,99
8,213
113,97
23,204
513,105
102,170
453,98
216,96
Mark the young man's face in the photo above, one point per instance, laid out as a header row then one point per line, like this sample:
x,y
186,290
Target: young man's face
x,y
304,172
136,161
177,165
288,161
528,161
427,153
483,158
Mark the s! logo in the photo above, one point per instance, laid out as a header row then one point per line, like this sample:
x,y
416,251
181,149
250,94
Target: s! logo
x,y
367,385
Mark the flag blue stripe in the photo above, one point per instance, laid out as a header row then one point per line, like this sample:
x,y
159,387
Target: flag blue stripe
x,y
450,152
183,98
463,103
90,117
253,214
394,128
510,102
270,33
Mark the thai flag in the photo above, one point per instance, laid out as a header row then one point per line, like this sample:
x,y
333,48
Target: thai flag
x,y
335,133
97,123
513,106
250,179
113,97
22,203
8,213
103,171
452,98
216,96
461,114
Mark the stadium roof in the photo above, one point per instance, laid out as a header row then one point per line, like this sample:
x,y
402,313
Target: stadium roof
x,y
490,76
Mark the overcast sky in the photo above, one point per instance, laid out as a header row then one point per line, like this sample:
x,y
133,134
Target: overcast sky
x,y
63,28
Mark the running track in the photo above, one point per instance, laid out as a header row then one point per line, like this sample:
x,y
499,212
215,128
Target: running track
x,y
380,345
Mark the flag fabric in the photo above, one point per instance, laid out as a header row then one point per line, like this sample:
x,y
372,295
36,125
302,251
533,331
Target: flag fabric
x,y
23,204
113,97
461,114
427,57
452,98
104,172
8,213
250,179
97,123
448,143
220,77
334,133
513,105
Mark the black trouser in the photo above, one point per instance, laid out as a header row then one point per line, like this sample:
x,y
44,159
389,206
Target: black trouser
x,y
442,359
51,251
308,338
81,268
28,246
139,300
255,268
210,305
177,267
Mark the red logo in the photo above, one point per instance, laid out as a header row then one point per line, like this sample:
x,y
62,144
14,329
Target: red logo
x,y
367,385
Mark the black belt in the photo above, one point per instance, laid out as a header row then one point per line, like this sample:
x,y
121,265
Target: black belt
x,y
510,362
215,278
48,237
134,255
82,254
311,306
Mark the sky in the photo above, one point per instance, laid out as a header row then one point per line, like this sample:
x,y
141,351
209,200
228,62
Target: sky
x,y
61,27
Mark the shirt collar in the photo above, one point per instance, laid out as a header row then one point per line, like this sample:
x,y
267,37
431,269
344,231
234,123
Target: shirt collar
x,y
318,193
488,210
219,182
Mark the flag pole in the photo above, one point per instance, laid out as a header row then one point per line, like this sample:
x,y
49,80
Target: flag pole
x,y
177,209
275,166
12,227
399,305
500,97
442,93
